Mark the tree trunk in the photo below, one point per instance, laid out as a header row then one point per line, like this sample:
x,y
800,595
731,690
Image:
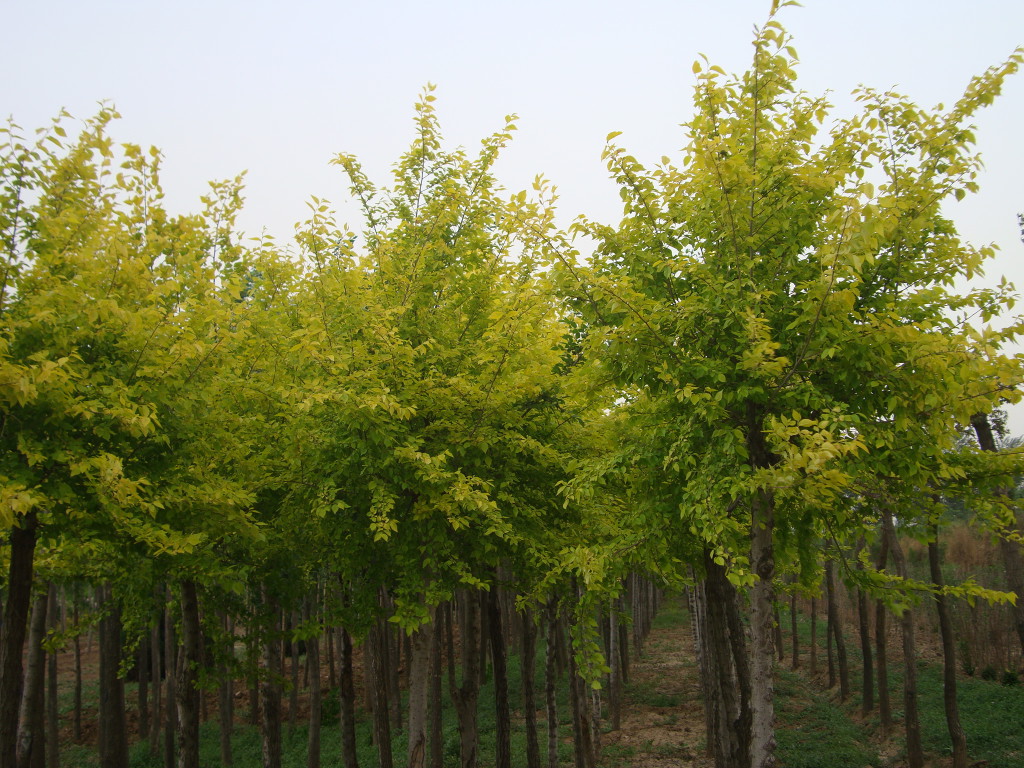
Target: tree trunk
x,y
156,653
270,693
582,737
884,704
375,649
727,679
956,731
794,637
142,666
864,625
762,704
293,693
419,679
911,722
31,741
170,693
529,658
615,675
465,695
347,692
837,631
12,638
503,716
550,700
226,697
113,724
814,636
52,709
315,696
187,671
435,725
1013,561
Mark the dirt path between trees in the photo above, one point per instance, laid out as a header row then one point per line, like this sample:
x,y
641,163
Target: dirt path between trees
x,y
662,713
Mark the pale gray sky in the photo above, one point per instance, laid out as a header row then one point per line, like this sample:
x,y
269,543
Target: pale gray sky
x,y
278,88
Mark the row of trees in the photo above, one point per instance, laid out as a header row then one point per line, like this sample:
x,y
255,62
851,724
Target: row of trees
x,y
774,349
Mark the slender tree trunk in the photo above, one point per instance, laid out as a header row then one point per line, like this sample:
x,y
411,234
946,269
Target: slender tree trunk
x,y
762,728
884,704
814,636
837,630
52,709
911,722
435,725
376,648
12,638
1013,561
156,664
794,637
270,721
956,731
142,666
550,675
31,740
529,657
864,625
315,699
615,675
467,693
187,670
113,724
170,691
503,716
419,679
293,693
347,691
226,697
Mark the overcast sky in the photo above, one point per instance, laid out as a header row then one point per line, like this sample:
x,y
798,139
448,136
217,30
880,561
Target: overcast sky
x,y
278,88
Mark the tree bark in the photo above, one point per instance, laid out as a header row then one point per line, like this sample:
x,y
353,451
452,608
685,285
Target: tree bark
x,y
113,723
503,716
170,693
794,637
762,656
376,648
864,625
881,650
315,699
52,709
12,638
347,692
419,678
956,731
529,657
435,725
156,710
31,743
550,674
814,637
1013,561
467,693
911,722
226,698
837,630
727,681
270,693
187,671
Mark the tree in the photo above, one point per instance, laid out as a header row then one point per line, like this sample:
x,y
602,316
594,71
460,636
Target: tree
x,y
793,325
